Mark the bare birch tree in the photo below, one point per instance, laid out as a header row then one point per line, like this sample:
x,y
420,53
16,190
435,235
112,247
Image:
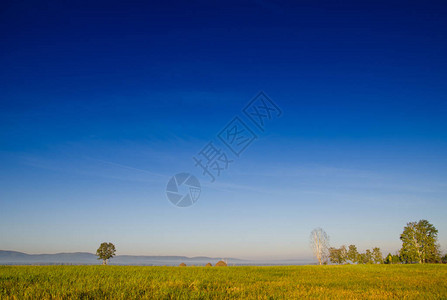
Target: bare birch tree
x,y
319,241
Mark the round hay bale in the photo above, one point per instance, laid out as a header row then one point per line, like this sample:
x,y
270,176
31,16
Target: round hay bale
x,y
221,263
208,265
182,265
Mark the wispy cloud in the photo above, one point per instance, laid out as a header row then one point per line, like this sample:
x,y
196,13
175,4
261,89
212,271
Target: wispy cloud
x,y
94,167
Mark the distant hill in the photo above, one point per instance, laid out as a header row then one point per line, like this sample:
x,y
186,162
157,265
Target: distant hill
x,y
85,258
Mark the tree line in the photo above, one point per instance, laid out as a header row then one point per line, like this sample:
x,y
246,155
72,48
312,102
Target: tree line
x,y
419,245
342,255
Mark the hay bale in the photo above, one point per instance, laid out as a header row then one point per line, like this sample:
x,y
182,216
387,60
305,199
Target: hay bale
x,y
208,265
182,265
221,263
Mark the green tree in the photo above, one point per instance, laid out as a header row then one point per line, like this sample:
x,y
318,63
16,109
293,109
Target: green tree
x,y
396,259
343,254
105,252
420,243
353,254
392,259
333,255
444,259
338,256
361,258
377,255
368,258
388,259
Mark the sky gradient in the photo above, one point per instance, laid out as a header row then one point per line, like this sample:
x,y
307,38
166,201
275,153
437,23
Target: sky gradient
x,y
102,103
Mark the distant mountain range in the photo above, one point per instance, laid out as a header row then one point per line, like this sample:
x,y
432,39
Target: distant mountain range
x,y
85,258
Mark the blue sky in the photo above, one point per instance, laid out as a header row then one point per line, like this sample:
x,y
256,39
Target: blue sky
x,y
102,103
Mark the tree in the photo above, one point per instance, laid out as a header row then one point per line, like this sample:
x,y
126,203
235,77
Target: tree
x,y
420,243
444,259
343,254
105,252
319,242
368,257
388,259
338,256
353,254
362,258
396,259
377,255
392,259
333,255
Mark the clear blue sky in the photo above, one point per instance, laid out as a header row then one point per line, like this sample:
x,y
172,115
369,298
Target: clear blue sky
x,y
101,103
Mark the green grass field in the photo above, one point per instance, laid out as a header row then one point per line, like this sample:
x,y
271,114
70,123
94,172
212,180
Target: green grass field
x,y
290,282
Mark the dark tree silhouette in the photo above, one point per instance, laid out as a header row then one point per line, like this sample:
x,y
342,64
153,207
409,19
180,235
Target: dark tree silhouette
x,y
105,252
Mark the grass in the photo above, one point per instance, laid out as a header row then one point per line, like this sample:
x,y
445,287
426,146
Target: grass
x,y
285,282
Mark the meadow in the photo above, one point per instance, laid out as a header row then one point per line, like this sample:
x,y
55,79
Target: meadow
x,y
278,282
